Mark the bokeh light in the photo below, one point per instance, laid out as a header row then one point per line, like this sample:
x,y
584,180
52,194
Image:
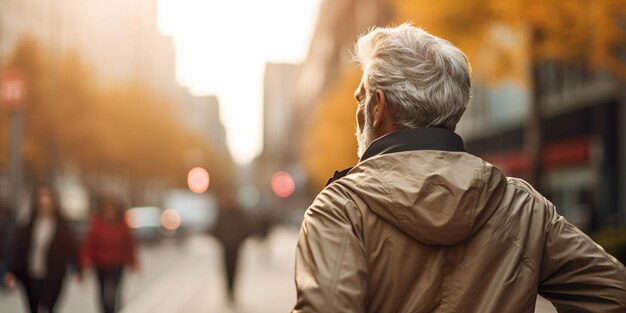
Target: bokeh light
x,y
282,184
170,219
130,220
198,180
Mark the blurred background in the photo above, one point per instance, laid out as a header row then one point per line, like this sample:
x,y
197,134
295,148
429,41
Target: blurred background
x,y
179,108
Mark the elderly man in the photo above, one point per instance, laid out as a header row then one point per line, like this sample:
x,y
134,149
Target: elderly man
x,y
420,225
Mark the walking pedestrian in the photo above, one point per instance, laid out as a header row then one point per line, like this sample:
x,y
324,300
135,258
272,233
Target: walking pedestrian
x,y
42,251
109,247
231,230
6,231
421,225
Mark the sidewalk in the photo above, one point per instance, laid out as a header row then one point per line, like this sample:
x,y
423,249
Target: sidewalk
x,y
188,277
82,297
196,283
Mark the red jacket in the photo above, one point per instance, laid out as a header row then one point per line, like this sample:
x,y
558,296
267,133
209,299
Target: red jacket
x,y
108,244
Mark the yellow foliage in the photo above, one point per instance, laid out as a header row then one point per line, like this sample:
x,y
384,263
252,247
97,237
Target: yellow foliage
x,y
582,31
332,143
123,131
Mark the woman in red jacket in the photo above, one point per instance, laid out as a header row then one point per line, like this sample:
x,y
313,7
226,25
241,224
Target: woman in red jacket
x,y
109,247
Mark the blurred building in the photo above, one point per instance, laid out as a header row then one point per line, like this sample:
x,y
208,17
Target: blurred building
x,y
278,137
583,149
278,110
338,25
202,116
119,39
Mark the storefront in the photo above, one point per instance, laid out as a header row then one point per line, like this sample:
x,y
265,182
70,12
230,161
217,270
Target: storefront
x,y
580,161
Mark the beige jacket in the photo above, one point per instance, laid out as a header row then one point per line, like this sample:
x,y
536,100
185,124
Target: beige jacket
x,y
423,230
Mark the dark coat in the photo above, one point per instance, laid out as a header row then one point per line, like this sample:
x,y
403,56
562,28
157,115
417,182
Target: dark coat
x,y
62,252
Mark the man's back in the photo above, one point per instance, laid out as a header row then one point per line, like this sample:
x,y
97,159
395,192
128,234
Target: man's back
x,y
418,229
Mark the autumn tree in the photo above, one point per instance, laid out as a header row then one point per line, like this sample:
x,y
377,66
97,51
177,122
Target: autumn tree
x,y
123,131
37,144
332,143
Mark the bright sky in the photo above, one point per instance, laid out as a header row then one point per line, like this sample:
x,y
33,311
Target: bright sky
x,y
222,47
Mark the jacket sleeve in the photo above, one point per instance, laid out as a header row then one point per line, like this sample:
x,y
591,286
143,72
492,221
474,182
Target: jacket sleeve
x,y
577,275
330,258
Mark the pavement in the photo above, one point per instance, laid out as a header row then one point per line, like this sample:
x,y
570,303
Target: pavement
x,y
186,277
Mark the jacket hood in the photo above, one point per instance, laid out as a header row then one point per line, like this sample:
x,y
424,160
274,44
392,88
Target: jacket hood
x,y
436,197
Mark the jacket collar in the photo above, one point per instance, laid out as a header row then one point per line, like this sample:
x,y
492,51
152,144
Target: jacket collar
x,y
423,138
427,138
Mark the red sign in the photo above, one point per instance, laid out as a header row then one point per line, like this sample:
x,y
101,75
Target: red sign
x,y
12,90
563,153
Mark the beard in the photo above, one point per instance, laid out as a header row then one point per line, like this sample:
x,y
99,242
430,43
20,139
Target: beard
x,y
365,136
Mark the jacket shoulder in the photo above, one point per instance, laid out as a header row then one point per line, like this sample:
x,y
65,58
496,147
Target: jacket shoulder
x,y
335,195
527,188
336,203
546,209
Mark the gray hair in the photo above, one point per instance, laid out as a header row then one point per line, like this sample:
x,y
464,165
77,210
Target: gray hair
x,y
425,79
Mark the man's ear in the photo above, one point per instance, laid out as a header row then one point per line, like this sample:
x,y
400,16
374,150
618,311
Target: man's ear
x,y
380,108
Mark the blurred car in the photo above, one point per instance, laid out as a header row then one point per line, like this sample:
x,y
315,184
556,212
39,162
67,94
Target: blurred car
x,y
196,212
145,222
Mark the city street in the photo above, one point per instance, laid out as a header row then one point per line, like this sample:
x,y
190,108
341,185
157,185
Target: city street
x,y
186,277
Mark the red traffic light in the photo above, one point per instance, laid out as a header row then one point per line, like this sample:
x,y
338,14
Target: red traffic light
x,y
282,184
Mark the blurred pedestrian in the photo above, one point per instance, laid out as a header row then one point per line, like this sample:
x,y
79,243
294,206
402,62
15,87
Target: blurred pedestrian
x,y
421,225
231,230
109,247
6,231
42,251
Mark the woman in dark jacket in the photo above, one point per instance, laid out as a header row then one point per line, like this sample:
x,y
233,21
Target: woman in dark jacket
x,y
42,251
109,247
